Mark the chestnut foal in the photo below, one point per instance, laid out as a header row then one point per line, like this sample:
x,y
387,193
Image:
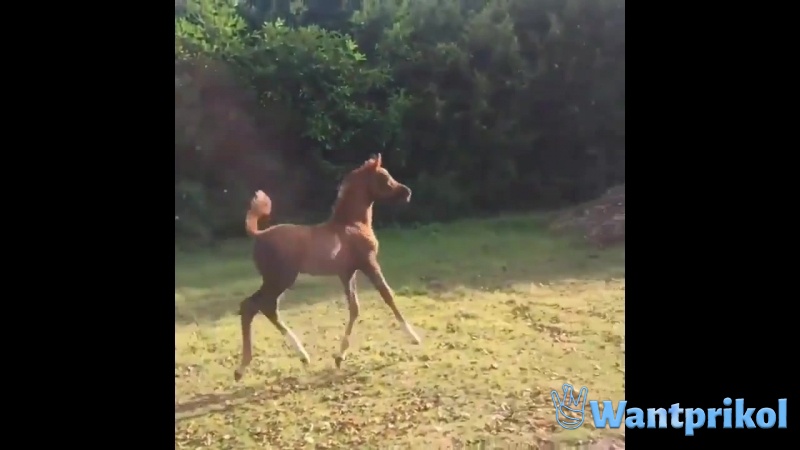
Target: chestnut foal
x,y
341,246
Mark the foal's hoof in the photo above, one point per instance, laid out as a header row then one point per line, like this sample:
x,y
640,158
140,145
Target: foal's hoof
x,y
237,375
304,360
338,360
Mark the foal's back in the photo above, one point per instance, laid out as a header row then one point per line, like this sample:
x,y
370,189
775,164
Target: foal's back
x,y
311,249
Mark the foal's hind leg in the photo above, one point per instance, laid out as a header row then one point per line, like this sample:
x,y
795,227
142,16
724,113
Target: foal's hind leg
x,y
349,283
266,301
373,272
270,309
248,310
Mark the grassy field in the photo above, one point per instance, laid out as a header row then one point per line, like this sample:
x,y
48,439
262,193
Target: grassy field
x,y
506,312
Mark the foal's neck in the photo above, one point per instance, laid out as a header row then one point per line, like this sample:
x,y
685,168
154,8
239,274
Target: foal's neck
x,y
351,209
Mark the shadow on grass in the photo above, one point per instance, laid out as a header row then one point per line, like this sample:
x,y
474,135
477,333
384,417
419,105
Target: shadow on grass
x,y
482,255
203,404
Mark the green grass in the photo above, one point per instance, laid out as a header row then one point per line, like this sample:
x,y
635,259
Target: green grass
x,y
506,313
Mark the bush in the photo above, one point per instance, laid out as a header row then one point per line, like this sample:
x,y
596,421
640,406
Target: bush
x,y
480,106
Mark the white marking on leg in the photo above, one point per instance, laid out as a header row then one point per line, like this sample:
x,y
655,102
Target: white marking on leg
x,y
294,342
414,337
344,346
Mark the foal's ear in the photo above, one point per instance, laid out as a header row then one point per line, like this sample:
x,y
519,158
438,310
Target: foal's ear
x,y
374,161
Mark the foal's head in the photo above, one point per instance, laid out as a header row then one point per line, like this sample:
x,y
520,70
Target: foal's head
x,y
376,182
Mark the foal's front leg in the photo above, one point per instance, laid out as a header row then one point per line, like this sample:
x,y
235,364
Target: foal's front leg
x,y
349,284
373,272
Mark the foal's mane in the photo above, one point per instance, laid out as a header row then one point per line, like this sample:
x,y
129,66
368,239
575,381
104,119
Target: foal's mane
x,y
347,209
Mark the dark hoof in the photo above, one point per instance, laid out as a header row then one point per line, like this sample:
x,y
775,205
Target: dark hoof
x,y
338,360
304,361
237,375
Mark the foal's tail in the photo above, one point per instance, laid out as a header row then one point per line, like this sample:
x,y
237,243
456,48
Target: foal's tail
x,y
260,206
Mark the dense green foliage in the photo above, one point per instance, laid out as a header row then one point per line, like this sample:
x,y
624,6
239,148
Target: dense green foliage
x,y
478,105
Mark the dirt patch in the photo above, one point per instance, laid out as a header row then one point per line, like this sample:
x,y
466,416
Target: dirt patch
x,y
601,221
